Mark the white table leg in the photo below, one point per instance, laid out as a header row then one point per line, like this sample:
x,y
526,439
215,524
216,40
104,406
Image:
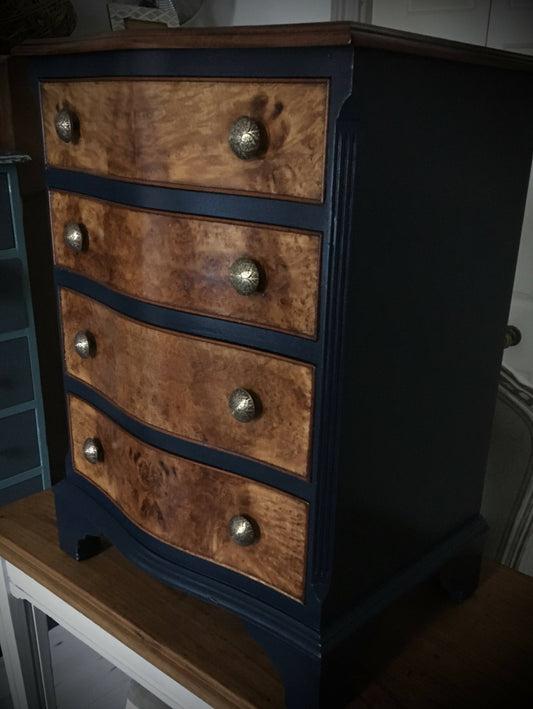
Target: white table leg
x,y
21,586
16,638
43,656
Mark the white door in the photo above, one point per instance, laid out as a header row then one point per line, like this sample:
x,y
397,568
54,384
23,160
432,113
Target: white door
x,y
511,28
461,20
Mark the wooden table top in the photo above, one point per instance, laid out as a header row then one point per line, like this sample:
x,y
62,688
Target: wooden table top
x,y
202,647
422,652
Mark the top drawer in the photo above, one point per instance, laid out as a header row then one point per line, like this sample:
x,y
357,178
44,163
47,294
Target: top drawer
x,y
176,132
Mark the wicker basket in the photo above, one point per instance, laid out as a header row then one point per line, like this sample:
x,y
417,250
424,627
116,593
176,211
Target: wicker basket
x,y
33,19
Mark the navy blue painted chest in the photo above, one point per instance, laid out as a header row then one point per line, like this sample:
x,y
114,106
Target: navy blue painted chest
x,y
284,260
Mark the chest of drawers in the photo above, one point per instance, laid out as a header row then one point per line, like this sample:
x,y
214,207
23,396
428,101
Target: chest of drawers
x,y
284,259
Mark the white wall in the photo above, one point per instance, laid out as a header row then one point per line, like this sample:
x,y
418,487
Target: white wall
x,y
259,12
93,18
461,20
503,25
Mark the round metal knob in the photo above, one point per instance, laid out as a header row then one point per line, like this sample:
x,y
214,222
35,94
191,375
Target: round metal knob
x,y
92,450
242,531
244,276
85,344
66,125
242,405
73,236
246,137
512,336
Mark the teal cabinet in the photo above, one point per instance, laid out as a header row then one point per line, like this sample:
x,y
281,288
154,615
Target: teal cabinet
x,y
24,467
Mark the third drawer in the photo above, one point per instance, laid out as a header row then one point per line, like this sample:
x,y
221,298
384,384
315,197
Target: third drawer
x,y
193,387
187,262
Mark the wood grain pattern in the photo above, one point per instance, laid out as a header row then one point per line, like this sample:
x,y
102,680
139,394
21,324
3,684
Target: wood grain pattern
x,y
316,34
293,35
188,505
175,132
201,646
183,262
427,652
181,384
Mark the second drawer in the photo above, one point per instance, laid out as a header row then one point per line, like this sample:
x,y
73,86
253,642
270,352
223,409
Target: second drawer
x,y
249,273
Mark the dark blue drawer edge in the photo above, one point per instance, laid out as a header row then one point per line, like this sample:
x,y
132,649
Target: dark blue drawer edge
x,y
9,253
14,334
197,452
18,478
243,63
218,205
268,341
18,408
24,488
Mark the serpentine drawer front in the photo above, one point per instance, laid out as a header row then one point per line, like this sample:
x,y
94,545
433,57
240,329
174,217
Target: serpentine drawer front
x,y
283,258
176,132
243,272
191,506
185,385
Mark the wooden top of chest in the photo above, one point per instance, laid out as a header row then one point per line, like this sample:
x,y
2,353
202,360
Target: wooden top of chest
x,y
323,34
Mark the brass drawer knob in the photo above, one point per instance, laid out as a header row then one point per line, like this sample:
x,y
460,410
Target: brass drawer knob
x,y
244,276
242,531
85,344
246,138
92,450
73,237
66,125
242,405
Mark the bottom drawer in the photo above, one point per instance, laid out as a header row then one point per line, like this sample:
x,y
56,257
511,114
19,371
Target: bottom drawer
x,y
189,506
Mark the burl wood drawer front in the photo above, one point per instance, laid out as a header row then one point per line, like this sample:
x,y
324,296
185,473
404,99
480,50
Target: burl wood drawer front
x,y
182,384
176,132
189,506
185,263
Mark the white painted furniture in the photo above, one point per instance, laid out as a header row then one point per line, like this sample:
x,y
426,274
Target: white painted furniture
x,y
24,605
191,656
